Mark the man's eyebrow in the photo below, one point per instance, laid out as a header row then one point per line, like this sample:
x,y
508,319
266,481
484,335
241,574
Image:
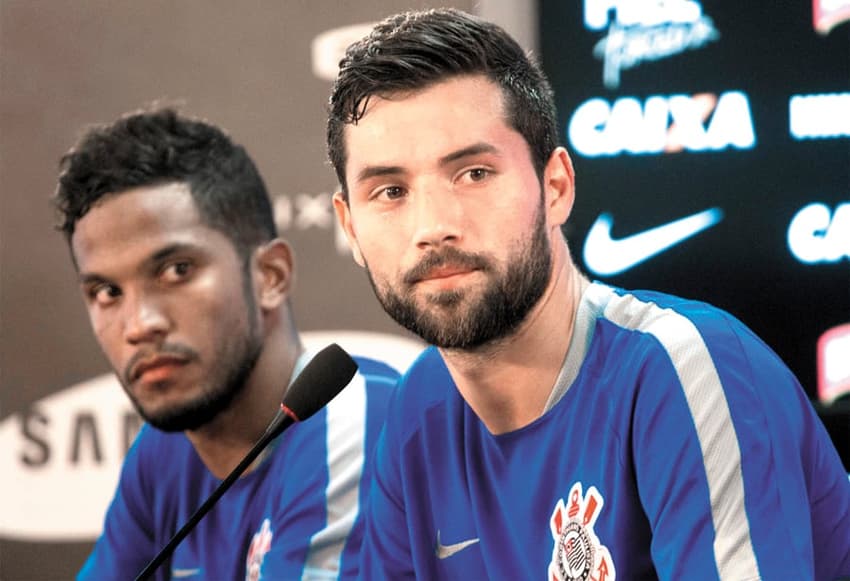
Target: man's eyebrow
x,y
474,149
87,278
171,249
374,171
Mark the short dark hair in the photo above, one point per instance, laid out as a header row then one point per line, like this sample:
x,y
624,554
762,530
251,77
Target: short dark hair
x,y
412,50
159,146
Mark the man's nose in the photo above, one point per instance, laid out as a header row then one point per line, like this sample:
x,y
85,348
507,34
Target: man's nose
x,y
438,217
145,319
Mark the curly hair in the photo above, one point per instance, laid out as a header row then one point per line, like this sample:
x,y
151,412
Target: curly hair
x,y
413,50
156,147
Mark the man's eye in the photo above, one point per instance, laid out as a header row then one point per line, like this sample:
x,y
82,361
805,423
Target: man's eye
x,y
104,294
177,271
390,193
476,174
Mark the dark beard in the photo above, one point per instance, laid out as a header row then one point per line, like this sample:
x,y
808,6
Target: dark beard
x,y
196,413
234,363
503,306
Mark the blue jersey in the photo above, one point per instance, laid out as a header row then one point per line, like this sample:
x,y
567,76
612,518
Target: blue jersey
x,y
675,445
294,516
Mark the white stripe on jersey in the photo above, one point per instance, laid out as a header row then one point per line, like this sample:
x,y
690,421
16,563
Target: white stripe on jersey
x,y
733,547
346,435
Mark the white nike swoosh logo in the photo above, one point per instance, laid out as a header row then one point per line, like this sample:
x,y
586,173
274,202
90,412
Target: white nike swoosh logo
x,y
606,256
444,551
183,573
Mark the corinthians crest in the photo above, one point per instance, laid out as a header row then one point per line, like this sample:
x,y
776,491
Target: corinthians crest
x,y
578,555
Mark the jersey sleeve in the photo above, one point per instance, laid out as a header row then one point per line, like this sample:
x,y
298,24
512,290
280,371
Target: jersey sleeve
x,y
126,544
733,469
317,531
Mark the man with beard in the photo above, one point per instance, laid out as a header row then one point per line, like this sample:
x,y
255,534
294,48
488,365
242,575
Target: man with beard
x,y
559,429
188,289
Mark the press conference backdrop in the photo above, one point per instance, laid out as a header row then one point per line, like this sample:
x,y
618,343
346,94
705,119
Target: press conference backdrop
x,y
262,70
711,142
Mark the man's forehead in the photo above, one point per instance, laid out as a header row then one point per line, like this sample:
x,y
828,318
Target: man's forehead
x,y
137,219
171,202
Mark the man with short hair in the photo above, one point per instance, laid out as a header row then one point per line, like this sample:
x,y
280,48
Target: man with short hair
x,y
560,428
187,287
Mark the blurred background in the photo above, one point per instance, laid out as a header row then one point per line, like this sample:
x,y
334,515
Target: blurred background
x,y
711,141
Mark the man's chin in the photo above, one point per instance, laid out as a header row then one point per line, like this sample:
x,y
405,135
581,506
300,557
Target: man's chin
x,y
177,423
447,302
187,417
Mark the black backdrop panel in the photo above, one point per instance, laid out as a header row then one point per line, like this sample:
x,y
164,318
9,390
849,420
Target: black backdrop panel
x,y
678,108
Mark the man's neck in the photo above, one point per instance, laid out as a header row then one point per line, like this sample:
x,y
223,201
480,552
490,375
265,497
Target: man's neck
x,y
508,384
225,441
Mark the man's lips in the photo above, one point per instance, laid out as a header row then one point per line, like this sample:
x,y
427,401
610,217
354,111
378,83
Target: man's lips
x,y
445,272
445,264
440,273
444,279
157,368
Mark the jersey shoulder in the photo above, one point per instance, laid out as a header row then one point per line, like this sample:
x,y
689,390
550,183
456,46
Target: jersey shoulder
x,y
668,318
376,371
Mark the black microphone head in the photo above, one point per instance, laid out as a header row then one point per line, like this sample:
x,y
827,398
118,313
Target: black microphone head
x,y
320,381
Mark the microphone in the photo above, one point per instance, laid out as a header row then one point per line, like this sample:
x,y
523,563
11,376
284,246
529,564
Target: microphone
x,y
320,381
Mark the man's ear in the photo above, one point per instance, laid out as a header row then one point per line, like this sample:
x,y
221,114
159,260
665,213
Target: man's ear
x,y
559,187
343,215
274,272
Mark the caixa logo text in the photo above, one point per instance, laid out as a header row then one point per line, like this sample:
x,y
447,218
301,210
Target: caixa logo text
x,y
662,124
818,235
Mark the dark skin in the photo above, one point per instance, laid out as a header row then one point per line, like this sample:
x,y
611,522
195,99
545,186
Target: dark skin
x,y
169,305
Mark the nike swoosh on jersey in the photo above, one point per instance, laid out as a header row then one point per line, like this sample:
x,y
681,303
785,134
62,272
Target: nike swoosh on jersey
x,y
183,573
445,551
605,255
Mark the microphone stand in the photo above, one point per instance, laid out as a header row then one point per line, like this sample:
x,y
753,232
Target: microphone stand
x,y
281,421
